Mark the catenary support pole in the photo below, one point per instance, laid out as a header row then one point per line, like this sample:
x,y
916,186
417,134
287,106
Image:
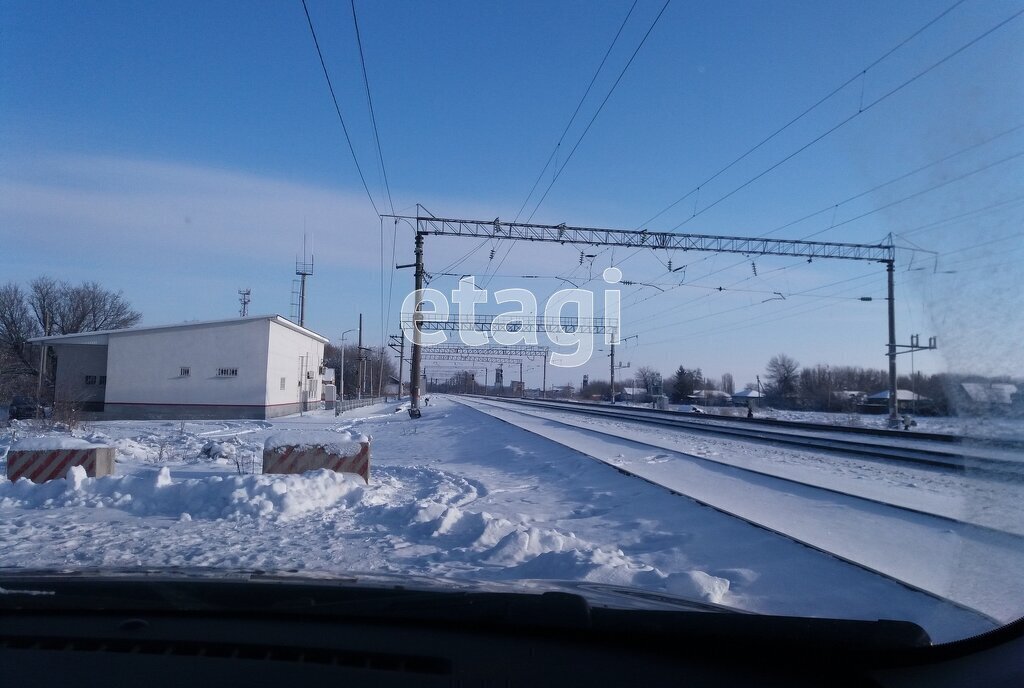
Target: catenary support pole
x,y
894,420
544,384
613,365
359,368
401,364
414,373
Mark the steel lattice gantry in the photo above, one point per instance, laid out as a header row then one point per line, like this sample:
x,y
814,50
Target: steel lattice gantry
x,y
463,352
509,323
509,355
597,236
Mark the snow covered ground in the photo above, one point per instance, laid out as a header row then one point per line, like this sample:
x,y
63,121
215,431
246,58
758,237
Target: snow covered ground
x,y
456,494
970,426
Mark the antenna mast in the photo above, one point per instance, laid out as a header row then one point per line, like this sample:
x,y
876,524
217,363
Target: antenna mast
x,y
303,269
244,297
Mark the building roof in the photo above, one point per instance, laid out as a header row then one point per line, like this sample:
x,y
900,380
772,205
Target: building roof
x,y
708,393
100,337
747,394
901,395
994,393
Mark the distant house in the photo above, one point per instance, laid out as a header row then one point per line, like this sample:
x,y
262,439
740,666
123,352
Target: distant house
x,y
747,397
906,400
252,367
986,397
637,394
709,397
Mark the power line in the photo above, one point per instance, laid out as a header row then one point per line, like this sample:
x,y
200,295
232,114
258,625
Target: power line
x,y
384,308
558,173
921,192
975,246
983,210
576,111
833,207
859,75
772,317
337,108
861,216
849,119
899,178
369,101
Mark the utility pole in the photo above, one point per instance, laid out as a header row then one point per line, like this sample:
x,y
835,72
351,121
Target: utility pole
x,y
42,365
612,354
42,372
401,363
544,384
894,420
359,368
522,387
414,382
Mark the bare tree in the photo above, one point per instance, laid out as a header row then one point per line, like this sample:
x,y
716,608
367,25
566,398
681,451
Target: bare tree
x,y
817,388
782,377
728,386
44,296
648,378
61,308
17,326
52,307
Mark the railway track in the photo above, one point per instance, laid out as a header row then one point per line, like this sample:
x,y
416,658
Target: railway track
x,y
862,531
883,445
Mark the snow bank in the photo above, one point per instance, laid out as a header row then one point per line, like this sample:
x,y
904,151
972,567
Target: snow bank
x,y
280,497
341,442
53,443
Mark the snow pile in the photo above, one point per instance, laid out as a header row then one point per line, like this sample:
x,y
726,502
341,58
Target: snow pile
x,y
496,548
699,585
52,443
216,450
340,442
217,497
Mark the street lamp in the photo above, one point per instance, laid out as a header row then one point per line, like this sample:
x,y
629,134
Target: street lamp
x,y
343,361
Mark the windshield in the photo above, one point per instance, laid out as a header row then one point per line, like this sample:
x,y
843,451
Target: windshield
x,y
712,302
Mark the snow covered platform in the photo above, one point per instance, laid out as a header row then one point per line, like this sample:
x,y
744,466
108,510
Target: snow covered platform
x,y
298,451
40,459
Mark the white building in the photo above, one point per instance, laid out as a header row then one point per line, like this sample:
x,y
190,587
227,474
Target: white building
x,y
254,367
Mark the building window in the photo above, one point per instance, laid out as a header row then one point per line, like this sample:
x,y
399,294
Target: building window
x,y
284,381
103,380
227,372
185,371
90,379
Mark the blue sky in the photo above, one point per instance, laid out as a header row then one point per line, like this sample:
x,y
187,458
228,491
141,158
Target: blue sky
x,y
178,151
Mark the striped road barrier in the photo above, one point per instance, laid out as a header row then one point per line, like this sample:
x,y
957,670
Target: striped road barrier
x,y
299,458
41,465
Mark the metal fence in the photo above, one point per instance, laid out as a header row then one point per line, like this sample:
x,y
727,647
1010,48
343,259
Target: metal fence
x,y
342,406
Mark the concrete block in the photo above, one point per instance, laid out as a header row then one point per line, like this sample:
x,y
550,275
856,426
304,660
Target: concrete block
x,y
41,465
299,458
